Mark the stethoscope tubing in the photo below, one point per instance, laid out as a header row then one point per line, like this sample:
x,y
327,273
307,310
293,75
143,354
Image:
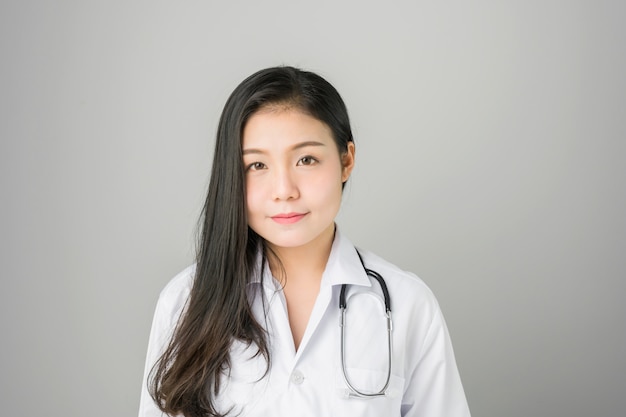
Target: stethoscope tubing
x,y
355,392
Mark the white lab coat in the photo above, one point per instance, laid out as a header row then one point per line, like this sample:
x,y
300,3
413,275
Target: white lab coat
x,y
424,382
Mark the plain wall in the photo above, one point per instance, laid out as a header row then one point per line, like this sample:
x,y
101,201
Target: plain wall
x,y
490,161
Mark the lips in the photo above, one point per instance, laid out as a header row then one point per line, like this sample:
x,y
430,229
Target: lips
x,y
288,218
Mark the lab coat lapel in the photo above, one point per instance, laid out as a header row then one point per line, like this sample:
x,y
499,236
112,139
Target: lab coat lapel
x,y
343,267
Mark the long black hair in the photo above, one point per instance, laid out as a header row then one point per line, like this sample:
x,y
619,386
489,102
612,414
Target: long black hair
x,y
186,378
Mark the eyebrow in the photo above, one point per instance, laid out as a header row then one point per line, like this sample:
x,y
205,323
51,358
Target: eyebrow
x,y
293,148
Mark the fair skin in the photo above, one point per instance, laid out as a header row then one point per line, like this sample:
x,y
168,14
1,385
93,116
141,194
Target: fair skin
x,y
294,176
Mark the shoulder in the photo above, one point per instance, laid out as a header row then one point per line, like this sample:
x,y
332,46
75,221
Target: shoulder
x,y
403,285
391,272
171,303
174,295
181,281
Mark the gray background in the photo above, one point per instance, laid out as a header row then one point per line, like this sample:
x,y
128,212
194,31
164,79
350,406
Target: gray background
x,y
490,150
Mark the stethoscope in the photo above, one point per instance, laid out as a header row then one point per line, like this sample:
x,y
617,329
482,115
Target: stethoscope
x,y
355,392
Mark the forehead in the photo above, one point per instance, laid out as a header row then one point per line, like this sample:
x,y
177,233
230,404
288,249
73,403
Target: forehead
x,y
273,127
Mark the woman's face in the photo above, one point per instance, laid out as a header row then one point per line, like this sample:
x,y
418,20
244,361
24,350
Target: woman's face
x,y
294,176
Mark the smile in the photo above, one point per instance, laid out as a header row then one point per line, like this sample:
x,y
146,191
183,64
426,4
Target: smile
x,y
288,218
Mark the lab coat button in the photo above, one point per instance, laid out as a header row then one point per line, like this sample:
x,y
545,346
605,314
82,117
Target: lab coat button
x,y
297,377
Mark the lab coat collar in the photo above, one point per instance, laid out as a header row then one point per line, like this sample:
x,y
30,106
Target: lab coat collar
x,y
343,266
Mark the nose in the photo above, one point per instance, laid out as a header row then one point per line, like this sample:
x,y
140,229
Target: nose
x,y
285,185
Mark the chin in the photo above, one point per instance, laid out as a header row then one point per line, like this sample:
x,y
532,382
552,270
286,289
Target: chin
x,y
288,242
291,239
295,236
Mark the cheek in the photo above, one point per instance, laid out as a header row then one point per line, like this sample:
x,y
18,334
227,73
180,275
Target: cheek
x,y
327,188
253,198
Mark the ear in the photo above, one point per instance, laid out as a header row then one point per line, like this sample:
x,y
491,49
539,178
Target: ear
x,y
347,162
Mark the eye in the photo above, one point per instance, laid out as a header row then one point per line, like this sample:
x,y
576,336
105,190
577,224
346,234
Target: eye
x,y
255,166
307,160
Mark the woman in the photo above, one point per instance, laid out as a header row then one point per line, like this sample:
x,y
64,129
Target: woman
x,y
252,328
